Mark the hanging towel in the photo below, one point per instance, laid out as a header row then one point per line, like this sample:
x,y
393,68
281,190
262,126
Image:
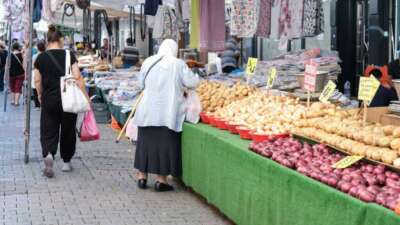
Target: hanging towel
x,y
264,19
275,12
296,19
212,25
195,24
165,24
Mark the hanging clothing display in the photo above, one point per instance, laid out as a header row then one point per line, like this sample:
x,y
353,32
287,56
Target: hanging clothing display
x,y
244,18
195,24
296,18
291,19
313,22
165,24
212,25
151,7
13,11
37,11
275,13
186,10
264,19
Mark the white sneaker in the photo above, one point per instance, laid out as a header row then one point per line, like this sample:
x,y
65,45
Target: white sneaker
x,y
66,167
48,166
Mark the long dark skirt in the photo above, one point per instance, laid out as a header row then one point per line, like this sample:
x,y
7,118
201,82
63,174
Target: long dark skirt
x,y
158,151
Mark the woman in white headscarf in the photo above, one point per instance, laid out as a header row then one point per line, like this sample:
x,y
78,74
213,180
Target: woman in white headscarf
x,y
160,115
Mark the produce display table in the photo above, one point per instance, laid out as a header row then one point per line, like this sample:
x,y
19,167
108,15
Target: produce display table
x,y
114,109
251,189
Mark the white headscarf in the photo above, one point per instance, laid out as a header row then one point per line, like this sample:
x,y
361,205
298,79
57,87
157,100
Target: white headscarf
x,y
169,50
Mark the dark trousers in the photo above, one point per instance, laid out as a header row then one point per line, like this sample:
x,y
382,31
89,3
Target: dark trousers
x,y
1,79
56,127
36,98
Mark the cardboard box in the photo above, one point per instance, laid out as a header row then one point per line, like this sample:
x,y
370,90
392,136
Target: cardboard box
x,y
381,115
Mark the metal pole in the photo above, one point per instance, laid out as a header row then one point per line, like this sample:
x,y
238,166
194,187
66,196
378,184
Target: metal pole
x,y
8,65
28,83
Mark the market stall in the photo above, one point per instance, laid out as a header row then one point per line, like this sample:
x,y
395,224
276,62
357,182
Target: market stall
x,y
251,189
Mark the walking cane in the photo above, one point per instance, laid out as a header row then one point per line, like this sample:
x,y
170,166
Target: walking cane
x,y
129,117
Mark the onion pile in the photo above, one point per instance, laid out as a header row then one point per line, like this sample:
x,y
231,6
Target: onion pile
x,y
365,181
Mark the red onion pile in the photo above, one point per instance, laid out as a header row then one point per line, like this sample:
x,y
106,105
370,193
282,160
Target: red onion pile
x,y
365,181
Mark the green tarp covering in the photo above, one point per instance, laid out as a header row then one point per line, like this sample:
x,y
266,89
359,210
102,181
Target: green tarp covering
x,y
250,189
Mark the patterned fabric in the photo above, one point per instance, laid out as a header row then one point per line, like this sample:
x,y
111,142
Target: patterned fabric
x,y
14,12
165,25
313,22
212,25
291,19
244,18
264,19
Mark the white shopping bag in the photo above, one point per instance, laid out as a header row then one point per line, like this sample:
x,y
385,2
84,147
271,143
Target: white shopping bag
x,y
193,107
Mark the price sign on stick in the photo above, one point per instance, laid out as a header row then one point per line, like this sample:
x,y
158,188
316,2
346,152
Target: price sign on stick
x,y
251,66
366,92
327,92
310,76
347,162
368,88
271,77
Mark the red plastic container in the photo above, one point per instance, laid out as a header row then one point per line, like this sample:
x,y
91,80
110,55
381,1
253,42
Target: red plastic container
x,y
204,118
259,137
213,121
244,133
221,124
232,128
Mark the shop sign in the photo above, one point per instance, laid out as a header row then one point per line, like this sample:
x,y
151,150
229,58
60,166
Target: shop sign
x,y
347,161
327,92
368,88
310,75
271,77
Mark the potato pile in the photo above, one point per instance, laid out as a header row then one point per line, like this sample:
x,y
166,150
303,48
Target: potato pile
x,y
214,95
268,115
345,130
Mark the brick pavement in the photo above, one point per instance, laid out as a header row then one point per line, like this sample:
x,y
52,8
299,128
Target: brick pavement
x,y
100,191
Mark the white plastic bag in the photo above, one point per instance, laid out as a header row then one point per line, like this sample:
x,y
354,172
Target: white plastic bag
x,y
72,98
131,130
193,107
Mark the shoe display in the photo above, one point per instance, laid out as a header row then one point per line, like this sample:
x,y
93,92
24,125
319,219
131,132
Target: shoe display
x,y
162,187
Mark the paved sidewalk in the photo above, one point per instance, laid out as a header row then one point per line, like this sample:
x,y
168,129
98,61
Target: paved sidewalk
x,y
101,190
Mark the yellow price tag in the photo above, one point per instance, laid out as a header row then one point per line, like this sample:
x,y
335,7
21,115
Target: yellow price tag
x,y
368,88
347,162
328,91
251,66
271,77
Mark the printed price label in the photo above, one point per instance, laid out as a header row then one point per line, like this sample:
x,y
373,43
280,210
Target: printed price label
x,y
368,88
271,77
251,66
310,76
327,92
347,162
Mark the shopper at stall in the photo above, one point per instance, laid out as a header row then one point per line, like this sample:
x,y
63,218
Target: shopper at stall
x,y
386,92
17,74
41,47
160,115
3,59
56,126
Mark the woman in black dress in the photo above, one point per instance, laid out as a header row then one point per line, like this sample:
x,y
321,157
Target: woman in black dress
x,y
56,126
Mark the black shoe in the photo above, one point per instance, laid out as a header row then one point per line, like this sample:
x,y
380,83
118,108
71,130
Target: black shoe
x,y
142,183
162,187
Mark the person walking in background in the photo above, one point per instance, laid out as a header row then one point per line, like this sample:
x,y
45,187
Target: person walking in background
x,y
41,47
3,60
56,126
160,115
17,74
